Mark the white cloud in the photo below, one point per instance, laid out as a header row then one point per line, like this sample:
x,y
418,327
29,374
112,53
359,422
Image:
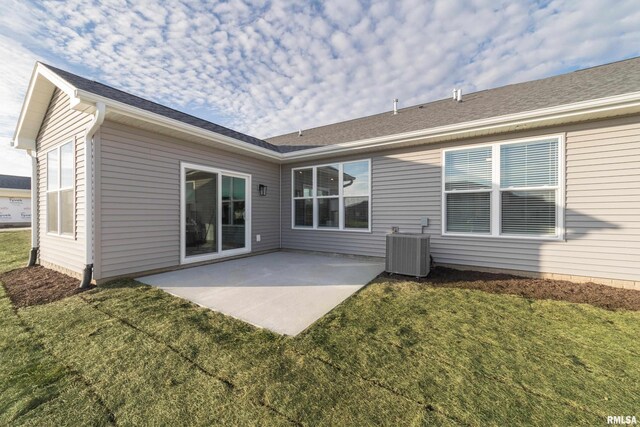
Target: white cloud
x,y
15,69
342,13
270,68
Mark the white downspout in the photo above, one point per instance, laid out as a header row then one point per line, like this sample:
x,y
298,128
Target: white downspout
x,y
33,255
92,128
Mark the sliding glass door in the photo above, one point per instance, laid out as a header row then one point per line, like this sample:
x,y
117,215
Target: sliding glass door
x,y
233,212
214,213
201,206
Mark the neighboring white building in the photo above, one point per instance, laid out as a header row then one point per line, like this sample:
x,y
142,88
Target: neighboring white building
x,y
15,201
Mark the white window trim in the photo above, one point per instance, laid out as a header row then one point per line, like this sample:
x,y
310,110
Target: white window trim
x,y
496,191
341,228
59,234
184,259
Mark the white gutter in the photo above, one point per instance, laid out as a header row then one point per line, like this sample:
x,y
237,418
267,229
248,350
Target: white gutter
x,y
92,128
496,124
122,108
630,100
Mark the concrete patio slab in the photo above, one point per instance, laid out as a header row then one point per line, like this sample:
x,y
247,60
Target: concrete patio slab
x,y
282,291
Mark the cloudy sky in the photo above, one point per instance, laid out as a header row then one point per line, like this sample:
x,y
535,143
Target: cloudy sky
x,y
267,68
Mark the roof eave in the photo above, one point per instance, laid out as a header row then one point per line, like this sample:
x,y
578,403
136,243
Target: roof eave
x,y
31,117
35,104
568,113
87,99
34,108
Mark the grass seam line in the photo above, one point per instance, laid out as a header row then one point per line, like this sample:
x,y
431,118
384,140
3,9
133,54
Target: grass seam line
x,y
546,335
499,379
426,406
228,383
110,415
553,353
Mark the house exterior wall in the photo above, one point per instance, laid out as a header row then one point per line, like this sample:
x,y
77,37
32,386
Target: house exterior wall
x,y
602,207
138,198
61,124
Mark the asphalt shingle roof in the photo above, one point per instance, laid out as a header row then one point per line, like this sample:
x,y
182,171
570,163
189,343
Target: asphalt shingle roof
x,y
15,182
592,83
153,107
582,85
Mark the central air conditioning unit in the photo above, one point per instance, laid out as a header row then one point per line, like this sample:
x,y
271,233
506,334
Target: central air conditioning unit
x,y
408,254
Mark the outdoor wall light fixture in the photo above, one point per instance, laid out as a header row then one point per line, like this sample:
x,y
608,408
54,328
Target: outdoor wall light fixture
x,y
262,189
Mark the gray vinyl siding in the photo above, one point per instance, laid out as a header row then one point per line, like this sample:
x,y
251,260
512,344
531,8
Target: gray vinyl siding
x,y
61,125
602,215
139,198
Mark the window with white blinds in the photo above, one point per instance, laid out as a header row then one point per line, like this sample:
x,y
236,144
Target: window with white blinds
x,y
468,169
529,164
528,188
469,212
528,212
507,189
468,177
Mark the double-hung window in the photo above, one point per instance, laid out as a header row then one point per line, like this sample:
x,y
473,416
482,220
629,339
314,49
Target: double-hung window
x,y
303,183
328,195
467,187
506,189
529,188
60,193
332,197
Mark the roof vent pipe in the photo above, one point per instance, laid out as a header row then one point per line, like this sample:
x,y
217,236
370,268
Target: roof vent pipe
x,y
299,132
457,95
395,106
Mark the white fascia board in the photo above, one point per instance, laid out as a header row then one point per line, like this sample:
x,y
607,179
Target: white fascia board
x,y
128,110
19,141
21,138
568,112
61,83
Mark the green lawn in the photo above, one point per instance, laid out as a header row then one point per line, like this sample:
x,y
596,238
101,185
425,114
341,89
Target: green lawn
x,y
393,354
